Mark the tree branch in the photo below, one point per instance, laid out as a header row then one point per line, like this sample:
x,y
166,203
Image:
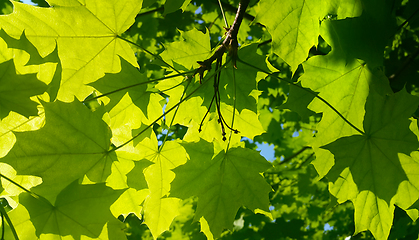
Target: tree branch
x,y
289,158
229,44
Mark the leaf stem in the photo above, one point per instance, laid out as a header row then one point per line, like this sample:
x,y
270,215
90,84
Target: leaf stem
x,y
293,155
20,186
12,228
222,12
234,107
310,92
138,84
174,115
2,225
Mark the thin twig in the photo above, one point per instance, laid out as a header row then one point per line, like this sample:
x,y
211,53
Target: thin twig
x,y
138,84
289,158
222,12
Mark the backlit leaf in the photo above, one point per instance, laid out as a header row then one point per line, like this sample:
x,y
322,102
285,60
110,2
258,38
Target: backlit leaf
x,y
370,170
222,183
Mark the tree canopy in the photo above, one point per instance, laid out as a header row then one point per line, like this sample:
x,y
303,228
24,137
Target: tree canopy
x,y
144,119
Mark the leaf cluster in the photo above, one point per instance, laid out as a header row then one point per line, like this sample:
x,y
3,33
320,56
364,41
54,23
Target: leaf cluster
x,y
129,119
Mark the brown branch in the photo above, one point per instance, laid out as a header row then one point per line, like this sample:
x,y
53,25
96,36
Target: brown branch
x,y
288,159
229,44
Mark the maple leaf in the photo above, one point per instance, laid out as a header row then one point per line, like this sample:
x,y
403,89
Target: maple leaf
x,y
20,48
360,37
294,30
325,74
72,138
173,5
368,169
129,102
16,90
194,41
80,210
222,183
127,173
86,35
295,27
160,210
129,79
298,101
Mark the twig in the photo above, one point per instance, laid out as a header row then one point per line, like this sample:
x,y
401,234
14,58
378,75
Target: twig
x,y
288,159
230,43
222,12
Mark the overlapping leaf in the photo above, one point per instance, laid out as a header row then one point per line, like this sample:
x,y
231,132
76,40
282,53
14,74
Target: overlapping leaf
x,y
294,25
294,29
72,138
369,170
8,188
24,53
80,210
15,91
86,34
130,105
325,74
353,73
222,183
160,210
173,5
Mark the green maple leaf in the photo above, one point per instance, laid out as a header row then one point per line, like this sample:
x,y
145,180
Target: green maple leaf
x,y
80,210
325,74
222,183
86,35
294,25
135,177
130,81
369,169
194,47
127,173
173,5
298,100
35,59
160,210
16,90
362,37
18,50
72,138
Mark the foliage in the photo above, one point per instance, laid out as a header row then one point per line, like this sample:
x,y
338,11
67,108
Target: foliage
x,y
137,119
